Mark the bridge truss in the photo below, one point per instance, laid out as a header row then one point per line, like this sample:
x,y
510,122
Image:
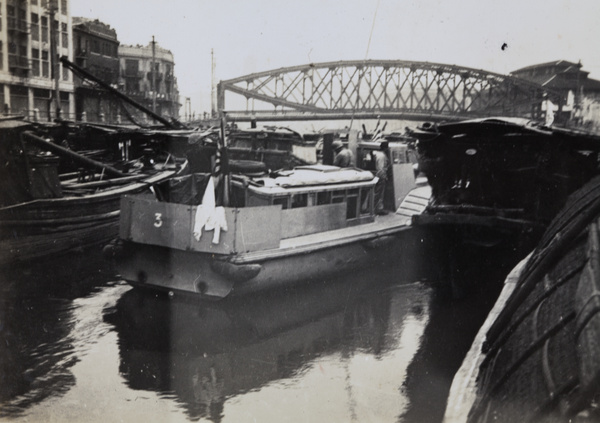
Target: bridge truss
x,y
390,89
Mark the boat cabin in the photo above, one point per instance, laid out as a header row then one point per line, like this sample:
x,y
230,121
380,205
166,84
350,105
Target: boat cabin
x,y
310,187
261,212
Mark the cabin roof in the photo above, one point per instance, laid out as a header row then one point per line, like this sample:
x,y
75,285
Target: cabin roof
x,y
314,177
280,190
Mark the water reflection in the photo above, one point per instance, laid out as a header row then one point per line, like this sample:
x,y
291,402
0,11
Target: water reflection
x,y
205,355
376,346
38,318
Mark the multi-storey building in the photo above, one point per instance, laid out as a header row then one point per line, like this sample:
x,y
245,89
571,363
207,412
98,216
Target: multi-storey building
x,y
27,83
96,49
582,94
137,78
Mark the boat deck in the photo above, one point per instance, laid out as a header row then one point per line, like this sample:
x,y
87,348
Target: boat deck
x,y
385,225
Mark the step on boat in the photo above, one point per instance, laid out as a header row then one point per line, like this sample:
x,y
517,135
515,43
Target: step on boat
x,y
308,223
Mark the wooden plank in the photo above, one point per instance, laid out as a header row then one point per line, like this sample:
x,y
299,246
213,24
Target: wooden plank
x,y
258,228
159,223
404,182
125,217
309,220
172,225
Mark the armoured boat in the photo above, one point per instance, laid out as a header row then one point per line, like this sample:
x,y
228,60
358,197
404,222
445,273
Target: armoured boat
x,y
276,229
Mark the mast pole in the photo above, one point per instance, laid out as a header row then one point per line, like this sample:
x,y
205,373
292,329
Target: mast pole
x,y
213,96
153,75
52,6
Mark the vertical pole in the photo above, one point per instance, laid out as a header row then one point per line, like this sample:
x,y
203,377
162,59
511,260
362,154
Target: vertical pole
x,y
224,160
54,57
153,75
220,98
213,108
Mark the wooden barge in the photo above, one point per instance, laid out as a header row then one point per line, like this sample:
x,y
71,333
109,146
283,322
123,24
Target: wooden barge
x,y
44,213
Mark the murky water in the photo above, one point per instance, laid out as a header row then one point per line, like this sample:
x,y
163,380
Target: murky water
x,y
78,345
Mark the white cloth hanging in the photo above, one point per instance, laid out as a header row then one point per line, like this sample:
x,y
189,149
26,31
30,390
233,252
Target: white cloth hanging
x,y
208,216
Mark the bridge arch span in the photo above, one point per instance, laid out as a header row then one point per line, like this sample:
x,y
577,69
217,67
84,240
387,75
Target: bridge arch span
x,y
396,89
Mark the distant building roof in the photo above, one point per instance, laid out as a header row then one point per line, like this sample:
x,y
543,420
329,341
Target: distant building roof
x,y
94,27
145,52
560,75
557,64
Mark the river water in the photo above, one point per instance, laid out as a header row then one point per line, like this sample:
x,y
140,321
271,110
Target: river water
x,y
78,344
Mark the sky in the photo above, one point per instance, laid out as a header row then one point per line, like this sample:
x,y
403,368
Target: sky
x,y
249,36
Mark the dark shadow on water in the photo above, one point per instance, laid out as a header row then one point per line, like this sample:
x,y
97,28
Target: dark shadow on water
x,y
454,323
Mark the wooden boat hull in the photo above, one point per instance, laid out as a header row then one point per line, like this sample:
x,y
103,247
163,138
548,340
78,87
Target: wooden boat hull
x,y
505,166
215,277
539,357
46,227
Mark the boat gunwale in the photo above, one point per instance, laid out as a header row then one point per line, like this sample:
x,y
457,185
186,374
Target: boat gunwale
x,y
304,245
112,192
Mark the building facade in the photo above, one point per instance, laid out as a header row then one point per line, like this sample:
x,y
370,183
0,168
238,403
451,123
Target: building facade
x,y
154,87
96,49
27,83
582,94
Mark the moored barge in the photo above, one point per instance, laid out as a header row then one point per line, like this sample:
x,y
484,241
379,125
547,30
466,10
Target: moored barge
x,y
301,224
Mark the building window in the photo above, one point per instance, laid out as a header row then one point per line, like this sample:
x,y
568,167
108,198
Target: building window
x,y
45,64
1,54
65,73
63,7
41,93
65,35
35,62
131,67
44,29
35,27
11,20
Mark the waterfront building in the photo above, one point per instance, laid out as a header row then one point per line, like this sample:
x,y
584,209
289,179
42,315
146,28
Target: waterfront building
x,y
147,76
582,94
96,49
27,86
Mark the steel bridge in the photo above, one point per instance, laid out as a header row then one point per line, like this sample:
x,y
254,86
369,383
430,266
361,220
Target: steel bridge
x,y
390,89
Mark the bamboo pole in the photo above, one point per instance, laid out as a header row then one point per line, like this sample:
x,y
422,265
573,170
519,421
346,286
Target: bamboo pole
x,y
61,151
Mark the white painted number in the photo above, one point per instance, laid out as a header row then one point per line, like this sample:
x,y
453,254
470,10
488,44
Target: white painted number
x,y
158,221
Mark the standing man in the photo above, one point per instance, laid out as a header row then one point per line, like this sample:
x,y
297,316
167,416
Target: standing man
x,y
343,156
382,167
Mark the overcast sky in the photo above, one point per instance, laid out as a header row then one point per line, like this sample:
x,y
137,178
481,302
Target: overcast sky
x,y
251,36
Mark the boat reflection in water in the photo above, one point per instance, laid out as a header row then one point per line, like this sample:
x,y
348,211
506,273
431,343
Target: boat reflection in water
x,y
331,351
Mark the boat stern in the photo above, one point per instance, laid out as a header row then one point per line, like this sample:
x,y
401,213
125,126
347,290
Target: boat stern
x,y
174,271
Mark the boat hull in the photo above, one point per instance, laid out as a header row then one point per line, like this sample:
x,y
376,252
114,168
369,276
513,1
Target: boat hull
x,y
215,277
43,228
